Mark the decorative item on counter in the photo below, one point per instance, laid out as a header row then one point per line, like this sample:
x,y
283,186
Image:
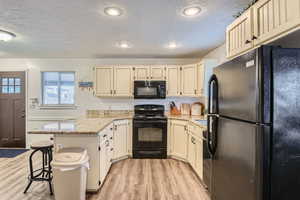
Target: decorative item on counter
x,y
185,109
85,85
173,109
197,109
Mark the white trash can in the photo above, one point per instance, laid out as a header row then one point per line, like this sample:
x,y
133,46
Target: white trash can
x,y
70,167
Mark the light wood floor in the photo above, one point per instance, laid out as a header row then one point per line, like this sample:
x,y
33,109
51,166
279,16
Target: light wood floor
x,y
131,179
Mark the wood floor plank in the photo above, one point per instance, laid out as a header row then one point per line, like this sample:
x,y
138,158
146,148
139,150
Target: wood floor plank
x,y
131,179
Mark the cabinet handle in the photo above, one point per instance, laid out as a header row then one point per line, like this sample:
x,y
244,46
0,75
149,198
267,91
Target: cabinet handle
x,y
254,37
247,42
195,91
116,127
115,92
111,92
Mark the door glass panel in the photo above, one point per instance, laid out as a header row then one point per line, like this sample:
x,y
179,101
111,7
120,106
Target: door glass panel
x,y
4,89
4,81
11,89
11,81
17,89
17,81
150,135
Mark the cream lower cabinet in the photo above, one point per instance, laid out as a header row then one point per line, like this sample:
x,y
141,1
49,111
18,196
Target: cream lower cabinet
x,y
121,139
114,81
274,17
195,154
178,139
103,148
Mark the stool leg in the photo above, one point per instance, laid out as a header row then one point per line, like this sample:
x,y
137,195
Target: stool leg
x,y
29,184
50,187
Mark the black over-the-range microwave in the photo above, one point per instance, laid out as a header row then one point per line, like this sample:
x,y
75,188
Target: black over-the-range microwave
x,y
149,89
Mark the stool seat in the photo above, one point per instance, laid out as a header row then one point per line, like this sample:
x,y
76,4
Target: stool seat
x,y
41,144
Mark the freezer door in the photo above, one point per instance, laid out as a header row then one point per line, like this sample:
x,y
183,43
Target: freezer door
x,y
237,162
239,87
286,128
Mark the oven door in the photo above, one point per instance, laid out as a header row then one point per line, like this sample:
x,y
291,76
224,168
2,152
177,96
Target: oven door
x,y
149,134
149,90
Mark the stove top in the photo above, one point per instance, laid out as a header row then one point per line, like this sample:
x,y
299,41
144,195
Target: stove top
x,y
149,111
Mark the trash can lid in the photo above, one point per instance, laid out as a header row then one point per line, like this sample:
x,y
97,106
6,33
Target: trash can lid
x,y
70,157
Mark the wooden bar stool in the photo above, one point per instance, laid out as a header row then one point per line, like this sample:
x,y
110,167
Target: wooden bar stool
x,y
45,172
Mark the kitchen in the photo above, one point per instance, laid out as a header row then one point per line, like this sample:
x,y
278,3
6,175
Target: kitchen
x,y
150,116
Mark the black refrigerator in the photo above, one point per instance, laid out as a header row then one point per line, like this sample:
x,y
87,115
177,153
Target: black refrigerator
x,y
254,126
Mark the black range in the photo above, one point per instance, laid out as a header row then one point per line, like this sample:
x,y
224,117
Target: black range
x,y
149,132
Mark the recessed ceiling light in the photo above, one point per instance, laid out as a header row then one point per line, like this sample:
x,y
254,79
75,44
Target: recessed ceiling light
x,y
6,36
113,11
124,45
172,45
191,11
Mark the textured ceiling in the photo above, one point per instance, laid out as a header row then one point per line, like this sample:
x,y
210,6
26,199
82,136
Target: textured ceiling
x,y
79,29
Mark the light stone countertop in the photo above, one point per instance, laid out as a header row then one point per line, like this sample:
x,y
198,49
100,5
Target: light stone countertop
x,y
95,125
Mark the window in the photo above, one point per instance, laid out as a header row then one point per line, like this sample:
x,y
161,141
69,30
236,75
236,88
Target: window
x,y
10,85
58,88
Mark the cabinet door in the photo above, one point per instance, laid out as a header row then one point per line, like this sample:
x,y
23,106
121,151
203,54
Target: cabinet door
x,y
274,17
199,156
158,73
200,79
173,80
120,139
141,73
103,161
104,81
189,80
123,81
179,138
191,151
239,35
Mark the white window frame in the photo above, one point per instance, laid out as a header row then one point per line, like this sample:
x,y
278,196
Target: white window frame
x,y
57,106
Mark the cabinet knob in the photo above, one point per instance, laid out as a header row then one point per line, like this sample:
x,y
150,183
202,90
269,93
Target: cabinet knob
x,y
247,42
254,37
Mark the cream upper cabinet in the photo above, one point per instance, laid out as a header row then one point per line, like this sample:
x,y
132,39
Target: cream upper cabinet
x,y
158,72
123,81
173,80
200,79
274,17
121,133
179,139
141,72
189,80
239,34
104,81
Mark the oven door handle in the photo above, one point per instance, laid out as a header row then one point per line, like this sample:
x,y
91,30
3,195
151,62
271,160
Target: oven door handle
x,y
149,122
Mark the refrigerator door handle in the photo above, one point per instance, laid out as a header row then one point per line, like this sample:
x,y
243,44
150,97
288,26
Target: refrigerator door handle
x,y
213,112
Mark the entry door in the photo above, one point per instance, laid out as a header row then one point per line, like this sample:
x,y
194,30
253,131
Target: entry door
x,y
12,109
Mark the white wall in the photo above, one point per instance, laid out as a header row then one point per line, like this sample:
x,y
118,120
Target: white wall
x,y
83,68
219,54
